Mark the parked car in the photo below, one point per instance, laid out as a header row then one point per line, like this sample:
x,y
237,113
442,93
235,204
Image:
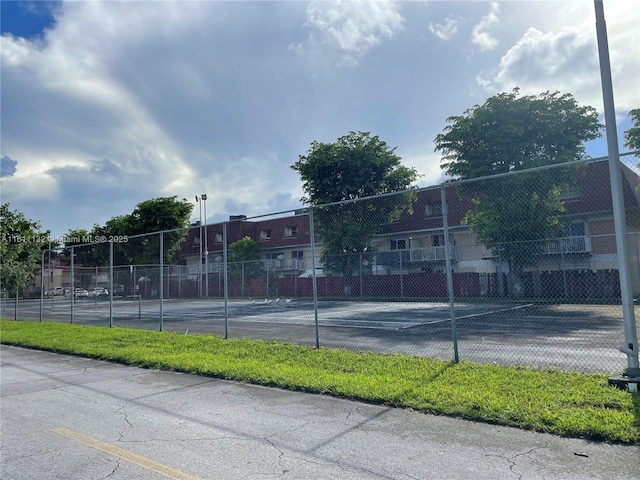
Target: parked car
x,y
80,292
118,290
56,291
98,292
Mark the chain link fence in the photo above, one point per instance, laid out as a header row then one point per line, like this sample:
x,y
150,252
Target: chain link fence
x,y
521,269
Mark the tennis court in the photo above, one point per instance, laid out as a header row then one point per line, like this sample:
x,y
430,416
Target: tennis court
x,y
571,337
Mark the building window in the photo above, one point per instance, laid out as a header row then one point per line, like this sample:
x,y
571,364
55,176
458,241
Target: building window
x,y
297,259
265,234
572,192
218,238
438,240
575,230
398,244
291,231
433,210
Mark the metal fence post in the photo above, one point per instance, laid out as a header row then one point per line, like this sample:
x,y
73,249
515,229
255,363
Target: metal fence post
x,y
161,280
110,284
630,348
72,291
225,260
41,285
314,283
447,254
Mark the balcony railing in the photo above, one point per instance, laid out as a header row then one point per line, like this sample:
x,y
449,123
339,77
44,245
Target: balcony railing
x,y
286,264
558,246
567,245
431,254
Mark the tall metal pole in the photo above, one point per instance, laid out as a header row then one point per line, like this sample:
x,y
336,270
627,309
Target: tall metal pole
x,y
200,255
72,293
314,282
447,255
41,285
206,247
50,275
225,259
630,348
161,281
111,284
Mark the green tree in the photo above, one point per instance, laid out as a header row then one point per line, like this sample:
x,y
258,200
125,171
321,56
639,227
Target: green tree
x,y
115,227
245,259
632,136
80,239
21,242
510,133
356,166
158,214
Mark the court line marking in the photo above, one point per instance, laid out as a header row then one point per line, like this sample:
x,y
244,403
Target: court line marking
x,y
127,455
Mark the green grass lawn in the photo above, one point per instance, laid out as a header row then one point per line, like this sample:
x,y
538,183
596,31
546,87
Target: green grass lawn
x,y
562,403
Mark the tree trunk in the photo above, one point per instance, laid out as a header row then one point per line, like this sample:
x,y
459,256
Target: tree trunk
x,y
346,285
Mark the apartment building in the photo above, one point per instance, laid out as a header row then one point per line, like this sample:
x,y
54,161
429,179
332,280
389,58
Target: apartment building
x,y
583,260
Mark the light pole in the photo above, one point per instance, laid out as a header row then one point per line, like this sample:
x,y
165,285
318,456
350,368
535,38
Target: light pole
x,y
50,273
200,255
206,247
630,347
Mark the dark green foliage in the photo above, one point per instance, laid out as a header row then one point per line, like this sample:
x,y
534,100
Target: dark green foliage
x,y
155,215
21,242
632,136
245,259
506,134
356,166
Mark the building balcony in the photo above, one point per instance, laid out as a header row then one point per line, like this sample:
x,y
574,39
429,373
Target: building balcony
x,y
286,264
558,246
431,254
567,245
403,257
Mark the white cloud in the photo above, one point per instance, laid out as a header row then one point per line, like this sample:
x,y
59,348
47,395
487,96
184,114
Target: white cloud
x,y
351,28
566,59
427,165
446,30
119,102
542,61
480,34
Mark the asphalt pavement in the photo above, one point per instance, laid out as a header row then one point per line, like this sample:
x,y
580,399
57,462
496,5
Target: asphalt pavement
x,y
65,417
583,338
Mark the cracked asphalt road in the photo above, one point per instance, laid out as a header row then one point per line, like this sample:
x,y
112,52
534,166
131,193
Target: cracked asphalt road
x,y
65,417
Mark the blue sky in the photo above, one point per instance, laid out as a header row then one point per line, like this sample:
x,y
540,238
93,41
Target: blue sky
x,y
107,104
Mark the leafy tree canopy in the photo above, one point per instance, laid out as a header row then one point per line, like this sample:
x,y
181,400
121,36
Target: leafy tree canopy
x,y
511,133
155,215
244,250
632,136
244,259
356,166
80,239
20,244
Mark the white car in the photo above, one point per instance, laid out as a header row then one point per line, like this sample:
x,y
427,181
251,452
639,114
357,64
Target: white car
x,y
98,292
79,292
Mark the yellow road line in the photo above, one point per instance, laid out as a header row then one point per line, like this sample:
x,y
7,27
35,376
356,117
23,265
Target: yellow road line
x,y
131,457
